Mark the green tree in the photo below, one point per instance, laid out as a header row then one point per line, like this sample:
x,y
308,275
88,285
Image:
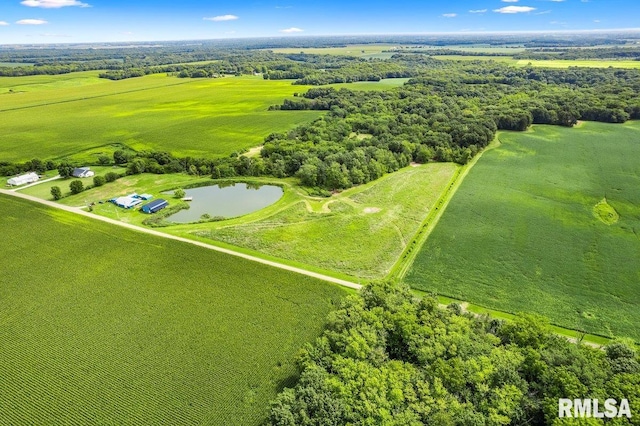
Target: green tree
x,y
136,166
179,193
56,192
121,157
65,170
98,180
76,186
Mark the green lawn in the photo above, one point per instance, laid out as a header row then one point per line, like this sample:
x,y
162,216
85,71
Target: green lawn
x,y
143,183
195,117
43,190
359,232
102,325
527,230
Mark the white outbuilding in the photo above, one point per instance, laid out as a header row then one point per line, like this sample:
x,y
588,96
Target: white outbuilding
x,y
23,179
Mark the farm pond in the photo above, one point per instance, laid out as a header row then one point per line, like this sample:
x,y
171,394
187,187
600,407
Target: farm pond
x,y
226,200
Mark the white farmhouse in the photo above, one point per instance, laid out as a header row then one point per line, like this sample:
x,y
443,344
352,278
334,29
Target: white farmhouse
x,y
82,172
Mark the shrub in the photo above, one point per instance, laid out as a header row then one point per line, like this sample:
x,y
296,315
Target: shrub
x,y
111,177
76,186
99,180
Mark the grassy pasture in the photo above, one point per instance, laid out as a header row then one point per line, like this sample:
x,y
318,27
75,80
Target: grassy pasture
x,y
528,230
102,325
204,117
359,232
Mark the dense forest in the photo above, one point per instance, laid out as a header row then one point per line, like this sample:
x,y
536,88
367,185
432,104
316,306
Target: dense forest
x,y
389,358
448,114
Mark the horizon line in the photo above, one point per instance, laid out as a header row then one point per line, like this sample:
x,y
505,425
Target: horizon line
x,y
308,36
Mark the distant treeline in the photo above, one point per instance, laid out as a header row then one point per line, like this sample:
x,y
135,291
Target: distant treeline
x,y
628,53
121,60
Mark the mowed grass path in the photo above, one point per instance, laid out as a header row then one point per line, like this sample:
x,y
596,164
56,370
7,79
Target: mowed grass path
x,y
359,232
195,117
522,234
102,325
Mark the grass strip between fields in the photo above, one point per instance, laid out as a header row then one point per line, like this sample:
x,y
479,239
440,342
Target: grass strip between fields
x,y
409,254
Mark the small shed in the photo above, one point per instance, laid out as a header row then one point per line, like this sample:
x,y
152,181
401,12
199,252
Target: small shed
x,y
82,172
23,179
155,205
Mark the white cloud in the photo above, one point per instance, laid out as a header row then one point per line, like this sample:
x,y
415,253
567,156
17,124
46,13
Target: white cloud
x,y
544,12
557,1
291,30
478,11
31,22
597,21
53,4
54,35
3,23
515,9
449,15
221,18
510,1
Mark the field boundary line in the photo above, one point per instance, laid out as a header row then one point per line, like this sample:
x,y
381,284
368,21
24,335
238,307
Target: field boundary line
x,y
78,211
408,255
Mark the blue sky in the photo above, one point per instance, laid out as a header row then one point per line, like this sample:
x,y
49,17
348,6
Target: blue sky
x,y
72,21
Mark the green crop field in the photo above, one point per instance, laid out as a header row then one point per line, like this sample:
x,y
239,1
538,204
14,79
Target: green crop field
x,y
384,84
37,83
359,50
505,59
547,222
594,63
359,232
102,325
49,118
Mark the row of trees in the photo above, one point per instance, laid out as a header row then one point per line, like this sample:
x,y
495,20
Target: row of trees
x,y
629,53
388,358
